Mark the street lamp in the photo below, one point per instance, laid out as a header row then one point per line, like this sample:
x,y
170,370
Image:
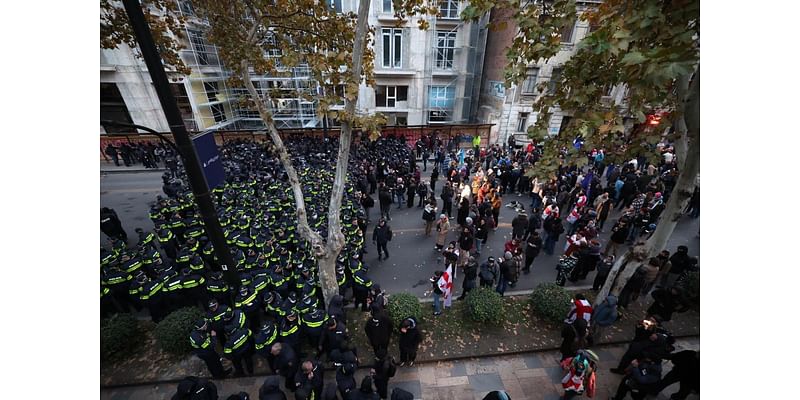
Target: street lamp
x,y
183,143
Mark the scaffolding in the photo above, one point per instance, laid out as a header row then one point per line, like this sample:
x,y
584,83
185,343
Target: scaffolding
x,y
216,104
448,65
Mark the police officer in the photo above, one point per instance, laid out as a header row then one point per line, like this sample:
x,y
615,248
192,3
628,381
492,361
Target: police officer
x,y
312,326
151,297
264,339
290,329
192,287
247,300
216,317
168,243
217,288
273,304
361,286
203,348
239,347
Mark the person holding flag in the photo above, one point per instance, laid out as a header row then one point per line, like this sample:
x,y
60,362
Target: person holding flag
x,y
442,286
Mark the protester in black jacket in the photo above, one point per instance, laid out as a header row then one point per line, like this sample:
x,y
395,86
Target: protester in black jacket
x,y
379,331
409,341
271,389
285,363
686,370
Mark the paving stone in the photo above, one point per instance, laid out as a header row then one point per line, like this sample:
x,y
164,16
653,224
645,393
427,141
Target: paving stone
x,y
530,372
486,369
555,373
452,381
427,375
533,361
459,392
487,382
459,369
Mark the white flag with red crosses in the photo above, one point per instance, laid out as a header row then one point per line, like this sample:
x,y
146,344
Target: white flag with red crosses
x,y
446,286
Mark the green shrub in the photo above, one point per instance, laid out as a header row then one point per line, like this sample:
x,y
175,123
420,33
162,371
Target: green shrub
x,y
119,336
402,306
484,305
172,333
551,302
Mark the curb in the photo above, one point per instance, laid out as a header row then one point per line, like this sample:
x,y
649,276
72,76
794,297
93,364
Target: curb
x,y
444,359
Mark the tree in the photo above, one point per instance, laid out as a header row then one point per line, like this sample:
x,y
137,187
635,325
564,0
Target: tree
x,y
652,47
303,32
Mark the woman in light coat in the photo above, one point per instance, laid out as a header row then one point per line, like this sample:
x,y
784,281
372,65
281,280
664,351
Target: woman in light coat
x,y
442,226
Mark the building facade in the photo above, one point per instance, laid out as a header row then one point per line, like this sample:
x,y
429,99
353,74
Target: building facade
x,y
511,110
422,77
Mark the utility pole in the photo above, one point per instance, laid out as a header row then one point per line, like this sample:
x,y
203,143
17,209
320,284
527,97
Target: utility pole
x,y
191,162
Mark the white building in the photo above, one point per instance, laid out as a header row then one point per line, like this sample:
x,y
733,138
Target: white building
x,y
422,77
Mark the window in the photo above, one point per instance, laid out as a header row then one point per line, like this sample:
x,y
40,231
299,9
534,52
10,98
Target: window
x,y
206,53
566,33
555,79
336,5
392,47
337,91
388,96
212,90
608,90
441,103
522,121
401,120
387,6
218,111
448,9
445,49
113,108
529,85
271,45
186,7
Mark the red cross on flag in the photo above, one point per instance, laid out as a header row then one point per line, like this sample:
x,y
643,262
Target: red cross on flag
x,y
446,286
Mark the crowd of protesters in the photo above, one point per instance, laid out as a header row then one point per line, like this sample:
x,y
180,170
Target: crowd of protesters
x,y
146,154
277,312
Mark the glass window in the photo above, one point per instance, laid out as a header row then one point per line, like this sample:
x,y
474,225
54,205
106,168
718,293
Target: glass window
x,y
388,96
387,6
441,99
218,111
566,33
522,121
529,85
555,79
445,49
448,9
392,47
336,5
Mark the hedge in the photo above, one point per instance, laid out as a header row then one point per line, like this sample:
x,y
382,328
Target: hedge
x,y
120,335
551,302
172,333
484,305
402,306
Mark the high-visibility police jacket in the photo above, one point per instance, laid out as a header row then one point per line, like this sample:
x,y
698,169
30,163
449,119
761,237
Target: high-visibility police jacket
x,y
248,303
147,239
238,342
184,256
201,342
361,280
238,318
150,290
289,331
116,278
217,318
192,281
174,284
313,321
217,286
265,339
132,265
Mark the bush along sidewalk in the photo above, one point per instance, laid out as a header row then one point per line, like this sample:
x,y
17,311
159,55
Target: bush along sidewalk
x,y
453,334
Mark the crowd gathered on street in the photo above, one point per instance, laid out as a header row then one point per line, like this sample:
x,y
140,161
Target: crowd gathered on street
x,y
148,154
277,310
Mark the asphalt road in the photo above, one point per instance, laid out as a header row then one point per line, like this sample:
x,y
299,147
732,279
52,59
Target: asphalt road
x,y
413,258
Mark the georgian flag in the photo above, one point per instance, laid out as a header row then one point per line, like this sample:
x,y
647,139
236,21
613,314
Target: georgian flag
x,y
446,286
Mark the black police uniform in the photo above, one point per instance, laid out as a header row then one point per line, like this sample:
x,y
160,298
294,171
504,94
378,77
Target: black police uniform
x,y
204,349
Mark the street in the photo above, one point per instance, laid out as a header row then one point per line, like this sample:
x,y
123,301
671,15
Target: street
x,y
413,258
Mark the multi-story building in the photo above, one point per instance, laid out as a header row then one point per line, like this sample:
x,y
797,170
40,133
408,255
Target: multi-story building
x,y
422,77
511,110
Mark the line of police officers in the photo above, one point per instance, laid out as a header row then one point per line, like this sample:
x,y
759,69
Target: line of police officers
x,y
278,299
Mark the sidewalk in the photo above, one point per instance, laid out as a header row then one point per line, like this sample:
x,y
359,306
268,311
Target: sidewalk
x,y
109,167
529,376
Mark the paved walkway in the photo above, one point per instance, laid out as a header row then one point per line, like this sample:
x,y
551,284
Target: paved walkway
x,y
531,376
108,166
